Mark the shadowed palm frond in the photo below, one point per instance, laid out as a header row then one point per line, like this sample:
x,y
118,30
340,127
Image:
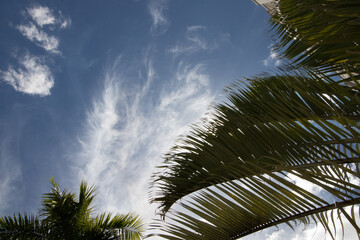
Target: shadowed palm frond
x,y
320,34
234,176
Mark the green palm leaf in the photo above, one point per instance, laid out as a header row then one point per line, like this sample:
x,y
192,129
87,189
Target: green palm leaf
x,y
321,34
233,173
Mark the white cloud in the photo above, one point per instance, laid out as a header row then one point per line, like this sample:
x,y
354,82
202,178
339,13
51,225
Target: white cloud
x,y
127,131
275,235
273,58
65,23
42,15
193,41
159,21
196,39
311,232
33,77
304,184
195,28
39,37
195,79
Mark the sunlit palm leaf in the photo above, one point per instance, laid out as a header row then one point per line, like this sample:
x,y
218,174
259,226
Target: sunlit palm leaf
x,y
306,125
323,34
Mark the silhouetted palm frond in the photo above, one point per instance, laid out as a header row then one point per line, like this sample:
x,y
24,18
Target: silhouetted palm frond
x,y
235,175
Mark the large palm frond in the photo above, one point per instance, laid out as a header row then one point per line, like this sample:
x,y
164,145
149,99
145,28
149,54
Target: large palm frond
x,y
233,174
323,34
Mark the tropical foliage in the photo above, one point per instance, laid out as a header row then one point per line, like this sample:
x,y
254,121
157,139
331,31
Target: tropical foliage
x,y
322,34
238,173
65,215
237,170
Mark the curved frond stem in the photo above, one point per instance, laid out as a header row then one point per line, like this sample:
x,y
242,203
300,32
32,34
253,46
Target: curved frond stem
x,y
304,214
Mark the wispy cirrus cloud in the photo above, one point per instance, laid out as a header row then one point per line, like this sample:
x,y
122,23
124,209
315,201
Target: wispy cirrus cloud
x,y
127,131
195,28
65,22
32,77
39,37
182,97
193,41
196,39
43,16
36,33
160,22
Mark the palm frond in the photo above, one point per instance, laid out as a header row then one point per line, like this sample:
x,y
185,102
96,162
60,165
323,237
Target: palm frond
x,y
129,226
121,226
320,34
236,169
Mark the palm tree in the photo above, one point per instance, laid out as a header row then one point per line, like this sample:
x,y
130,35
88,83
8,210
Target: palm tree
x,y
64,215
233,176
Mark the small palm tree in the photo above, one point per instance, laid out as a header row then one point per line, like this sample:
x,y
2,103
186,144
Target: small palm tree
x,y
65,215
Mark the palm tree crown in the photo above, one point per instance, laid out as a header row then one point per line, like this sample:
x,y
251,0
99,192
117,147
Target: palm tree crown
x,y
64,215
234,174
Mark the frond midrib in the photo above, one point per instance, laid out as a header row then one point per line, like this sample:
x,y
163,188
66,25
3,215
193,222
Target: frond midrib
x,y
341,204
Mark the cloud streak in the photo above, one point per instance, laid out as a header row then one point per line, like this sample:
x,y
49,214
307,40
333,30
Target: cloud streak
x,y
127,130
35,32
39,37
44,16
196,38
160,23
32,77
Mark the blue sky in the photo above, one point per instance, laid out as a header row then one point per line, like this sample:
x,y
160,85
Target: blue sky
x,y
100,90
